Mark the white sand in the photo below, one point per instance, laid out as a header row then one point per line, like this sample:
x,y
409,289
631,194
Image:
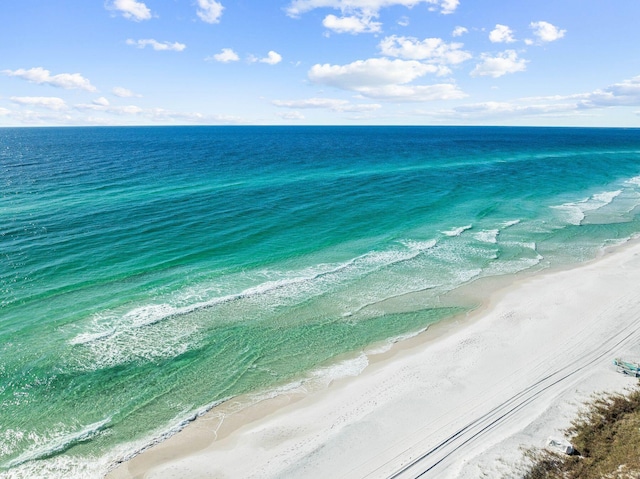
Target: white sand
x,y
464,402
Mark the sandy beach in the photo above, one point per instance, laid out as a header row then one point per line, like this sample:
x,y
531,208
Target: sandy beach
x,y
461,400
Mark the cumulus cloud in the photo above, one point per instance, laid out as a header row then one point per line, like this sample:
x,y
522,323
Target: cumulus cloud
x,y
327,103
156,45
371,72
351,24
41,76
546,32
501,34
225,56
503,63
272,58
459,31
124,92
434,50
382,78
131,9
625,93
48,102
209,11
297,7
357,15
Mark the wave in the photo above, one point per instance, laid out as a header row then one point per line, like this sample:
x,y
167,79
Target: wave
x,y
387,298
111,325
457,231
576,212
59,443
487,236
388,344
635,181
509,224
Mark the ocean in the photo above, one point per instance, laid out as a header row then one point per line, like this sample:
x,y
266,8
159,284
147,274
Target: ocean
x,y
150,273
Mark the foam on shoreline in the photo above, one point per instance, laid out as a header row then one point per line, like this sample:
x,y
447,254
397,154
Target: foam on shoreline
x,y
462,398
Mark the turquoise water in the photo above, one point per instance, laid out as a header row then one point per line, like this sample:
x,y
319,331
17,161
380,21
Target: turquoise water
x,y
147,274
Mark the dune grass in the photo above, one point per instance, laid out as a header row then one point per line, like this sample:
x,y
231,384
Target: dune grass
x,y
606,435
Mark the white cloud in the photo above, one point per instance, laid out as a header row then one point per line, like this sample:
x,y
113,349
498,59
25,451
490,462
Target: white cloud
x,y
382,78
433,49
4,112
124,92
503,63
357,15
371,72
501,34
163,116
626,93
415,93
156,45
459,31
116,110
623,94
131,9
297,7
225,56
272,58
404,21
448,6
546,32
101,101
492,108
288,115
209,11
48,102
327,103
63,80
351,24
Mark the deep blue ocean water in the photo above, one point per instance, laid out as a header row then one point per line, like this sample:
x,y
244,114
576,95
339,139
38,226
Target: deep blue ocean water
x,y
148,273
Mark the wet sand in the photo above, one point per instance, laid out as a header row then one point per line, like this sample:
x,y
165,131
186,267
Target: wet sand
x,y
459,400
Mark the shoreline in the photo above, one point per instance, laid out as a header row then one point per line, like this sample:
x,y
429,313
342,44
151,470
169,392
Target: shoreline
x,y
468,392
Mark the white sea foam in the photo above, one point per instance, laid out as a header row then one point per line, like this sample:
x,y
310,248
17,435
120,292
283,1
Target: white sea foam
x,y
152,331
575,212
602,199
419,246
487,236
508,224
385,346
56,442
343,369
295,284
635,181
457,231
464,276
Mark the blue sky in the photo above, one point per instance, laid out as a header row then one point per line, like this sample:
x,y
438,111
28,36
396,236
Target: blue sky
x,y
378,62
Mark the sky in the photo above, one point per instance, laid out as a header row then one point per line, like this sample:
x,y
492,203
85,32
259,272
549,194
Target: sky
x,y
320,62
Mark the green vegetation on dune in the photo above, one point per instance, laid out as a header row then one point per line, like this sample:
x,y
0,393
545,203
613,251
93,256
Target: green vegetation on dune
x,y
606,436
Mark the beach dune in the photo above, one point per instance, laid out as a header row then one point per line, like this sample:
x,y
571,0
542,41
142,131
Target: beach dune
x,y
460,400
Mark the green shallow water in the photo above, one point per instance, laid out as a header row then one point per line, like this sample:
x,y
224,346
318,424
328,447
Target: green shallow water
x,y
149,273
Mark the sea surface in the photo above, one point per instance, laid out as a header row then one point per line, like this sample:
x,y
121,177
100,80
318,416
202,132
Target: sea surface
x,y
149,273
